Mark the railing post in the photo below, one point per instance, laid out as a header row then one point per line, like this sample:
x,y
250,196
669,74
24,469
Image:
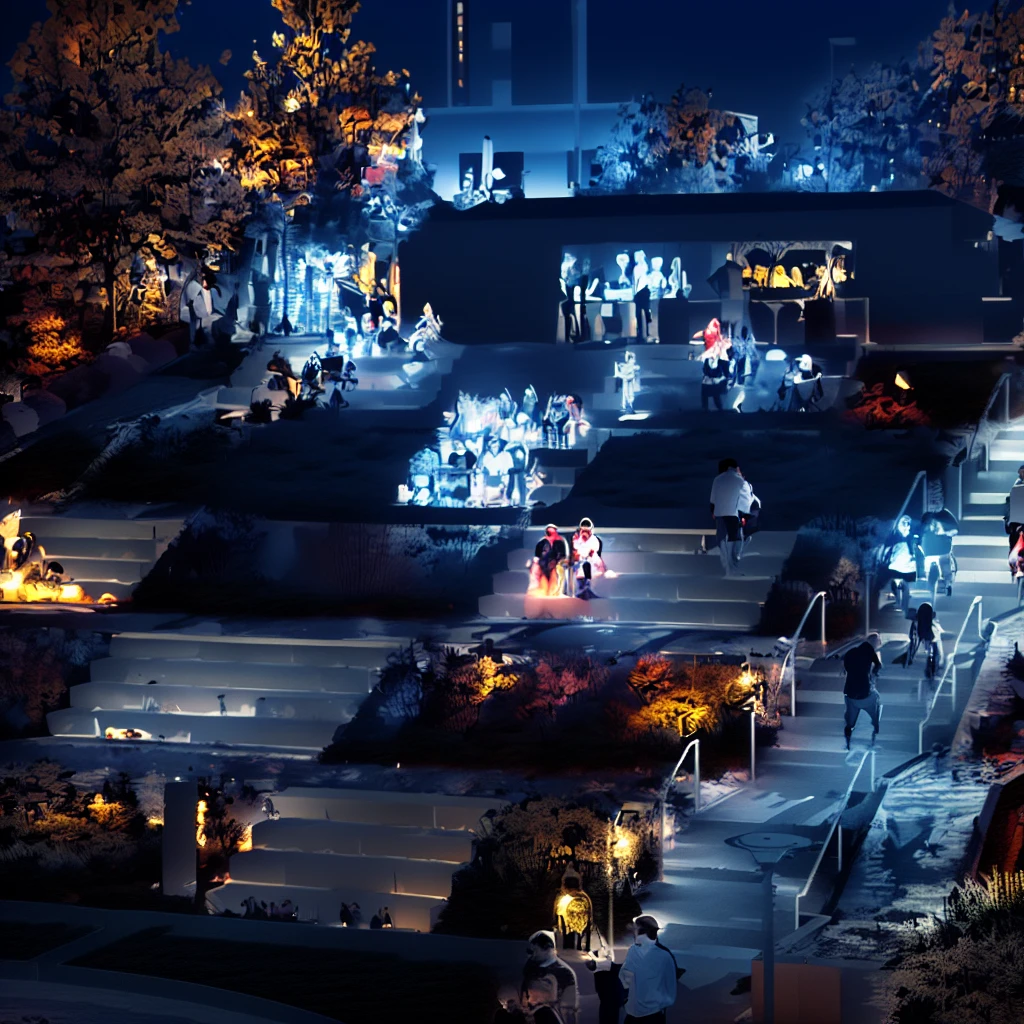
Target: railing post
x,y
696,778
960,492
839,849
953,689
1006,399
753,766
823,621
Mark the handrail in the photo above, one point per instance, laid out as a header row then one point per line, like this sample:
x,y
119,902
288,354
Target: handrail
x,y
950,671
793,646
836,824
695,744
1002,386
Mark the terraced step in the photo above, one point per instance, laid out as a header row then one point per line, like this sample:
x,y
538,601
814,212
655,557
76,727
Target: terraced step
x,y
49,528
412,913
739,615
334,871
214,729
318,835
354,653
192,700
112,570
662,587
670,563
229,675
124,549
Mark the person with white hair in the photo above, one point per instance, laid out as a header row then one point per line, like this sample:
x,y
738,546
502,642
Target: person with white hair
x,y
586,556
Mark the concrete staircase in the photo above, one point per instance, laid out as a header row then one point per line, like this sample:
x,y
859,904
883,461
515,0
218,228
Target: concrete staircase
x,y
103,555
375,848
803,783
663,575
278,692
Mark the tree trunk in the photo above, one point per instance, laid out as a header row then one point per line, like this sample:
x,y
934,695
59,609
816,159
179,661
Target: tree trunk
x,y
109,314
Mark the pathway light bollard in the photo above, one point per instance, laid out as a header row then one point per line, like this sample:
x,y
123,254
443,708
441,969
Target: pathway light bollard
x,y
767,849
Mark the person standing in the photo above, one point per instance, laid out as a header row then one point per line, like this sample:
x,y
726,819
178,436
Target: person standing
x,y
1013,508
548,987
730,494
649,975
862,665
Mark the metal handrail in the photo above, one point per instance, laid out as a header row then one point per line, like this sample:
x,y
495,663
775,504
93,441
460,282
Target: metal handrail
x,y
836,824
793,646
695,745
950,671
1002,386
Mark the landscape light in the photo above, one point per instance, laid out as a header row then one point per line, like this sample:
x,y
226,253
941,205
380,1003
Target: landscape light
x,y
775,355
903,381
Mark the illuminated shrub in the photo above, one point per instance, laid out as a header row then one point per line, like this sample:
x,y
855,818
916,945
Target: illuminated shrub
x,y
54,346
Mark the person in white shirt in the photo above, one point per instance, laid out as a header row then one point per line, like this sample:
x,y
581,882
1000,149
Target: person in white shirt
x,y
586,554
731,496
649,975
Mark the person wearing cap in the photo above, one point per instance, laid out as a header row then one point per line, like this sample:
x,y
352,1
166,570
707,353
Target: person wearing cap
x,y
548,988
586,556
806,369
649,974
549,553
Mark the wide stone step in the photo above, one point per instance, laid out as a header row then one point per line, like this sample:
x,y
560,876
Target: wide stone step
x,y
193,700
414,913
670,563
739,615
386,807
318,835
334,871
124,549
228,675
48,528
355,653
210,730
112,570
665,588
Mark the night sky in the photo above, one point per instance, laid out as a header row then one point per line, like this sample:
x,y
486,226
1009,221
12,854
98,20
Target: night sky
x,y
761,58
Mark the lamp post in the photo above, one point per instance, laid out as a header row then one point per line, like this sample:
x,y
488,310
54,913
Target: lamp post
x,y
767,849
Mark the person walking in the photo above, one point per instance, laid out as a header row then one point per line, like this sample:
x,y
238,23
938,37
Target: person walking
x,y
730,495
649,974
862,665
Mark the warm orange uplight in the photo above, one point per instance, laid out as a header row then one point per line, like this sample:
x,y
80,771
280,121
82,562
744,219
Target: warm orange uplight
x,y
201,822
245,845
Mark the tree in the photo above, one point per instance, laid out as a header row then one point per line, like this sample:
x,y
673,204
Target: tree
x,y
321,122
633,159
108,155
862,134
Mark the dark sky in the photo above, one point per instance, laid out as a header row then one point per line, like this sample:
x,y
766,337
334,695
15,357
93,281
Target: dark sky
x,y
761,57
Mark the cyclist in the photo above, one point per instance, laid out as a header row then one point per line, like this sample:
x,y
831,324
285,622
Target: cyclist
x,y
926,632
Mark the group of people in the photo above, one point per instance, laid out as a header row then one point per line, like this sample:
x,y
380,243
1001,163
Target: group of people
x,y
922,551
645,983
736,510
862,665
261,911
551,568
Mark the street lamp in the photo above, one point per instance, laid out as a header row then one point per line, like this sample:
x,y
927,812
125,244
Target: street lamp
x,y
767,849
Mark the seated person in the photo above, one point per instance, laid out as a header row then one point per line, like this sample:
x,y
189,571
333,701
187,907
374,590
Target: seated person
x,y
461,462
388,337
586,555
495,465
311,374
805,369
281,368
548,556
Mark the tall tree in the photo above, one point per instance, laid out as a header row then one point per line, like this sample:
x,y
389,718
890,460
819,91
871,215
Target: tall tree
x,y
108,154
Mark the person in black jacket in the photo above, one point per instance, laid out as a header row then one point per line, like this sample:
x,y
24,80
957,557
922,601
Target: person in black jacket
x,y
862,665
549,553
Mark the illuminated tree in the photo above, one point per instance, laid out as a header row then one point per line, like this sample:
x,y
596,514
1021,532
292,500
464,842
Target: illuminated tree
x,y
321,123
108,155
696,699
